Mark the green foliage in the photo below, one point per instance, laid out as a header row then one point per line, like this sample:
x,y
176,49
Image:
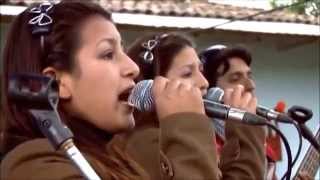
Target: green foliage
x,y
308,7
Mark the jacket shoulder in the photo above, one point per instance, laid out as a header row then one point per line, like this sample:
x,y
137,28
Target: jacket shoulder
x,y
37,159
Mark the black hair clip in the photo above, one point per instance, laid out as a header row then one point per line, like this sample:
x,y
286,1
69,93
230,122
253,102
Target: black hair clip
x,y
41,22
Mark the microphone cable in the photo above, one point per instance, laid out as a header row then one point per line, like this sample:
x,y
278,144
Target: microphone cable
x,y
287,174
296,125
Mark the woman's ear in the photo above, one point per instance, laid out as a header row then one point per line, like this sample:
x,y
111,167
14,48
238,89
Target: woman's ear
x,y
63,81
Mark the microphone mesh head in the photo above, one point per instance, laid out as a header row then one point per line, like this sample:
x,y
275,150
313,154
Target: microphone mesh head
x,y
215,94
141,96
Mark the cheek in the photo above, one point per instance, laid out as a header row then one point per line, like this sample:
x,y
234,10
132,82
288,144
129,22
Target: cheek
x,y
95,93
188,81
224,84
97,106
100,78
194,82
94,97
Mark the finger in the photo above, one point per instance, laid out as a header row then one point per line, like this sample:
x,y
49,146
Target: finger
x,y
185,87
252,105
173,86
159,84
197,91
236,95
245,100
227,96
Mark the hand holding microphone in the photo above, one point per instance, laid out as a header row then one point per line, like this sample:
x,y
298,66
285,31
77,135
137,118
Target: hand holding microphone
x,y
216,94
172,96
237,98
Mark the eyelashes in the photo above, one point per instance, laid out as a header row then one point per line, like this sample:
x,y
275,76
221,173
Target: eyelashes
x,y
109,55
192,70
186,75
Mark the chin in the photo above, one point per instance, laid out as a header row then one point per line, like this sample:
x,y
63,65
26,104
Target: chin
x,y
129,122
132,122
126,125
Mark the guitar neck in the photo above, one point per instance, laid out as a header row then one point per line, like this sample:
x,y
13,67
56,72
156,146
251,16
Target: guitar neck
x,y
311,162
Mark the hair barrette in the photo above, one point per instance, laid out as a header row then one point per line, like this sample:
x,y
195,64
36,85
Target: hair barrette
x,y
41,21
148,56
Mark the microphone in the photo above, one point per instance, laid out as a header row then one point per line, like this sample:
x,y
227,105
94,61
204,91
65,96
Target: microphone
x,y
141,98
215,94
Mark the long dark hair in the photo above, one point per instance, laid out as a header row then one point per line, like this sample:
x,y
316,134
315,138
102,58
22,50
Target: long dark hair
x,y
23,53
167,47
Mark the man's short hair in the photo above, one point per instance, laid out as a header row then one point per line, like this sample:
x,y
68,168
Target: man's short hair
x,y
212,58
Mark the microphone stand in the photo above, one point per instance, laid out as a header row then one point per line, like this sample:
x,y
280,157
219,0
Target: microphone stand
x,y
302,115
39,94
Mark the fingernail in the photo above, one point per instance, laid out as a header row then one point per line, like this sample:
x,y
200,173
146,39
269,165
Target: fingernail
x,y
229,90
240,86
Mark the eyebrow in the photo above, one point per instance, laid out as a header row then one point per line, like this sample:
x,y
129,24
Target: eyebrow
x,y
191,65
240,73
236,73
111,41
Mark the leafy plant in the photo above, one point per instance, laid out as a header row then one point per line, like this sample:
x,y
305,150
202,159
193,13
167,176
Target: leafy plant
x,y
308,7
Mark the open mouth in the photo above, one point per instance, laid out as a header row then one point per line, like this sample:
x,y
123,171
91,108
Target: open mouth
x,y
124,96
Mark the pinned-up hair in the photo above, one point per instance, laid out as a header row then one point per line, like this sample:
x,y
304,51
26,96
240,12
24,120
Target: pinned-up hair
x,y
154,53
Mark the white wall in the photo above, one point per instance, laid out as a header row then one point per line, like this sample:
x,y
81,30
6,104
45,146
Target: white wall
x,y
292,76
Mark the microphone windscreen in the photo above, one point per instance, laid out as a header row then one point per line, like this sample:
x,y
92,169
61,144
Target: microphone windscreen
x,y
141,96
215,94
